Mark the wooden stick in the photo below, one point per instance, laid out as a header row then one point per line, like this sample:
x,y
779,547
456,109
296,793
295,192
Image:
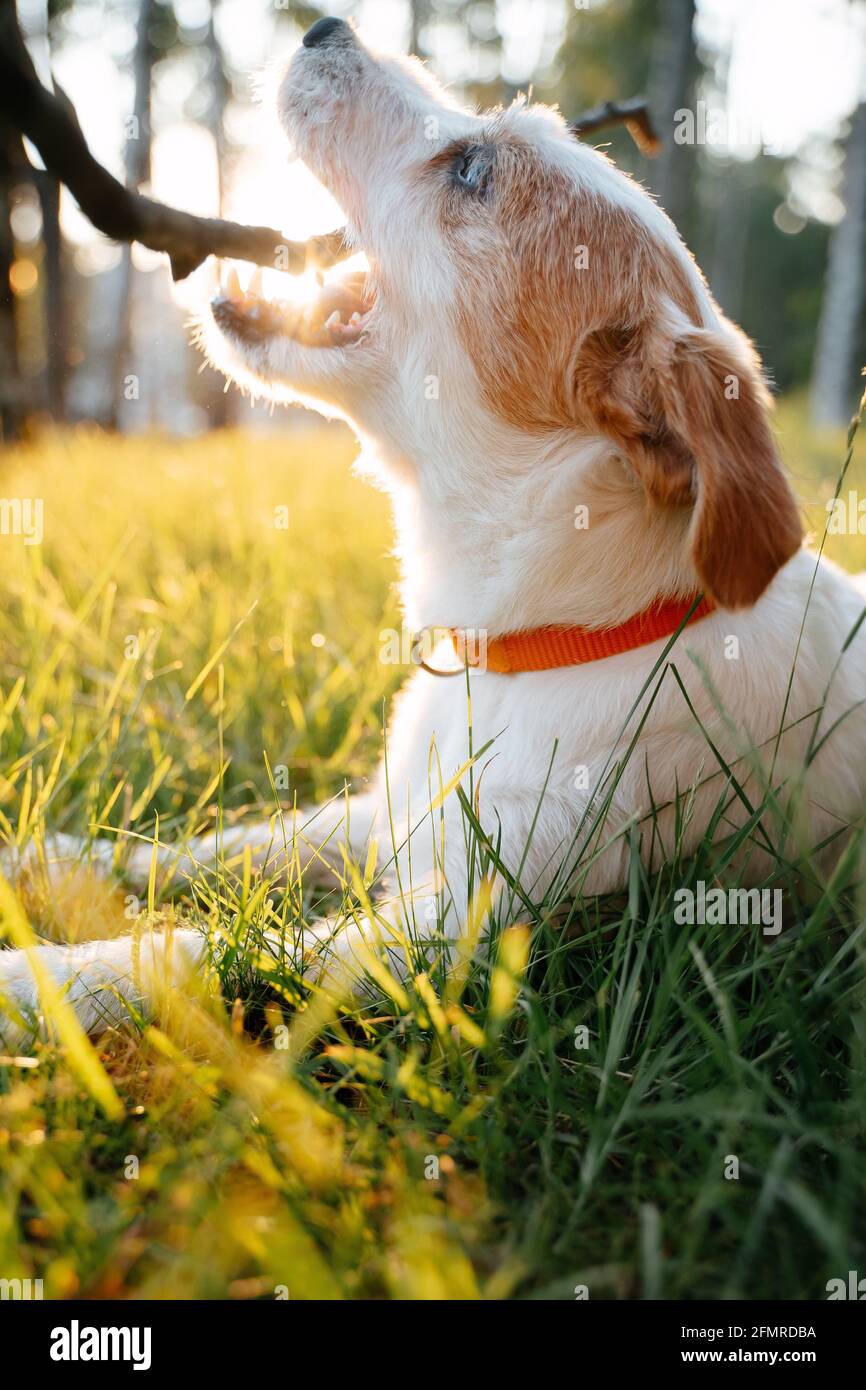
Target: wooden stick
x,y
49,121
633,114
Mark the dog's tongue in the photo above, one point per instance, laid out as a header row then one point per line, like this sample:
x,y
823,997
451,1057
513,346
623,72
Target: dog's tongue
x,y
341,310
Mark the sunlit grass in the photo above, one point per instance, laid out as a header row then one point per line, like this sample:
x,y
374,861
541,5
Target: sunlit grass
x,y
813,458
443,1136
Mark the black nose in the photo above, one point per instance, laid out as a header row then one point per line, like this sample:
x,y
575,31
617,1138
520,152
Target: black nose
x,y
322,30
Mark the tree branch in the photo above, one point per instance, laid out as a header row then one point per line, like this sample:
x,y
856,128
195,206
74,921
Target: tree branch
x,y
49,121
633,114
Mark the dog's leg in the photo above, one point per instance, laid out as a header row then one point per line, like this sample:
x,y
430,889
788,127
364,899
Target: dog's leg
x,y
442,890
100,979
433,899
311,840
101,976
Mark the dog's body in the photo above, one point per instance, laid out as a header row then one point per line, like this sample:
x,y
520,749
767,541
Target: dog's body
x,y
534,341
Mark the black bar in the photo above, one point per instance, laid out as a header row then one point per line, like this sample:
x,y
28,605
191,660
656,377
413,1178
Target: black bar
x,y
256,1337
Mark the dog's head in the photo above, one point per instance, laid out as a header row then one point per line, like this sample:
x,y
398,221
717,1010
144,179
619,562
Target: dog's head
x,y
531,293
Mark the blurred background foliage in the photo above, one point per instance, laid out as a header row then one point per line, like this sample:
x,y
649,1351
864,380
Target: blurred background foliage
x,y
770,195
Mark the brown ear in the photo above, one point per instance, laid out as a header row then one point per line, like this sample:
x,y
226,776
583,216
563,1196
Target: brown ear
x,y
691,413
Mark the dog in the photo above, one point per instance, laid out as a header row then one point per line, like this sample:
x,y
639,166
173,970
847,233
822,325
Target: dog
x,y
589,506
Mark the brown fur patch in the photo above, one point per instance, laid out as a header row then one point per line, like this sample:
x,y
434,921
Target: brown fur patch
x,y
529,306
598,349
746,524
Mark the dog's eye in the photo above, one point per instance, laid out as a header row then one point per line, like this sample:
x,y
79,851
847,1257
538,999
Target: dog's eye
x,y
471,169
467,171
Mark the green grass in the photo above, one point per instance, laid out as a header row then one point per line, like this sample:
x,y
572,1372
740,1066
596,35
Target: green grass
x,y
446,1139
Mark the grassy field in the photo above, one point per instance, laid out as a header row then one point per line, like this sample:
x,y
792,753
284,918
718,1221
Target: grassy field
x,y
446,1139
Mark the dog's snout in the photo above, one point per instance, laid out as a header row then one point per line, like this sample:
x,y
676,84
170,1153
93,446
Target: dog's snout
x,y
323,30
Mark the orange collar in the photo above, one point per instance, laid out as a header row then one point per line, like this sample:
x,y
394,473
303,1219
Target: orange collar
x,y
544,648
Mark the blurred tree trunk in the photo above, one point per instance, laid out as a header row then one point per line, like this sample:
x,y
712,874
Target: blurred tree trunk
x,y
220,91
11,384
47,188
138,169
480,82
834,368
219,402
729,238
419,14
673,70
54,305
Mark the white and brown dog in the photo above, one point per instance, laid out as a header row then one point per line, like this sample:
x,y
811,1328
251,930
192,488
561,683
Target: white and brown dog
x,y
576,445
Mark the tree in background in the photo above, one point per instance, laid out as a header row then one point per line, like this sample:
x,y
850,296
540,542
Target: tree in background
x,y
832,392
671,82
621,47
478,72
12,388
33,337
738,210
137,168
32,107
218,401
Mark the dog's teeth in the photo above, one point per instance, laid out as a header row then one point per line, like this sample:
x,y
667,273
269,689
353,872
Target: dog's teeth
x,y
233,285
333,320
355,319
257,283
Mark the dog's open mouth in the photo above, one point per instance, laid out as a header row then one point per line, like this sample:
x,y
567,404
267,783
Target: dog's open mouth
x,y
336,317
